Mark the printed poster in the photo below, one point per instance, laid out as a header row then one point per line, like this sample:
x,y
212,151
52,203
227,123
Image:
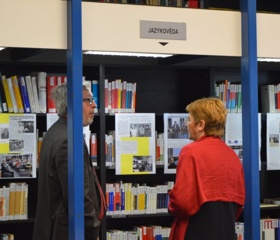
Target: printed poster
x,y
175,137
233,134
135,143
18,145
272,141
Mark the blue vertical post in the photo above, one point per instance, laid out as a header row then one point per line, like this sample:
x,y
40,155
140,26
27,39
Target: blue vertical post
x,y
75,124
249,79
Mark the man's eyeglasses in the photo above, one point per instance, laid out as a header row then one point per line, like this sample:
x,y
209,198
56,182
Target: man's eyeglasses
x,y
90,101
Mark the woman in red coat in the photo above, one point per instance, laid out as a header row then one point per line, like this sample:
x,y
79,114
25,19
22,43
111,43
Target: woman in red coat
x,y
209,191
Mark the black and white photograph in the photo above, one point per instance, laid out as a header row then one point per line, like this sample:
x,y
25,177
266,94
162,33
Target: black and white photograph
x,y
16,165
142,164
4,133
177,128
140,130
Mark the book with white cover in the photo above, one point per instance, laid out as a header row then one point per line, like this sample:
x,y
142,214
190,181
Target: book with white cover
x,y
42,91
12,94
35,91
30,93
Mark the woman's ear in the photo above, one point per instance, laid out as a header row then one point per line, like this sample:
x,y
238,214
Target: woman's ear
x,y
201,125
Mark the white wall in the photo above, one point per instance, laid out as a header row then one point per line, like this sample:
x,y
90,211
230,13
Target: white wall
x,y
116,27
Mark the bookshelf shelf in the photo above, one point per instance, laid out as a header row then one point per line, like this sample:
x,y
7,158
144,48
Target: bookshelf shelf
x,y
29,220
157,215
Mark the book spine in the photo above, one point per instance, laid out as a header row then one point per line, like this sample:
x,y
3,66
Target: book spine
x,y
17,94
106,95
12,94
110,97
4,105
2,204
95,92
51,83
133,100
124,87
7,202
42,91
30,93
39,146
24,95
118,94
35,91
17,201
7,94
59,80
12,196
114,96
93,149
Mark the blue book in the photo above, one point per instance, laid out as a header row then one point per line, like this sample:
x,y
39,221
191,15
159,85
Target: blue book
x,y
277,230
95,92
24,94
122,196
111,201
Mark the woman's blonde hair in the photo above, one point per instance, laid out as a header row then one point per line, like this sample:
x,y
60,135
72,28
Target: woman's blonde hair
x,y
213,112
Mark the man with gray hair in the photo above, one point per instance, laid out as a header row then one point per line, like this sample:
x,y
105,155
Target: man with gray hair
x,y
51,221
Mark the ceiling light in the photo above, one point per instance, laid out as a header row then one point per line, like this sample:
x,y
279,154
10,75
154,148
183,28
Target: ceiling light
x,y
268,59
129,54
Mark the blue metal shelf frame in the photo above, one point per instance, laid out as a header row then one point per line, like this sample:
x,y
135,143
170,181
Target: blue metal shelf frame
x,y
75,122
249,79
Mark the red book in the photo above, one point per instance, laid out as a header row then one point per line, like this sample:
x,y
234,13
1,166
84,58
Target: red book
x,y
193,4
93,149
117,200
150,233
51,83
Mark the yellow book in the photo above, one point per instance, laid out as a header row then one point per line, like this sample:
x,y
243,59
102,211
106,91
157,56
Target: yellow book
x,y
39,146
119,89
24,190
141,199
7,94
127,189
12,201
17,94
17,203
23,201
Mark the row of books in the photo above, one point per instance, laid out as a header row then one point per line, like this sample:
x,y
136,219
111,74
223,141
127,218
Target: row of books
x,y
28,94
14,201
275,200
6,236
270,96
133,198
154,232
230,94
269,229
167,3
120,96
